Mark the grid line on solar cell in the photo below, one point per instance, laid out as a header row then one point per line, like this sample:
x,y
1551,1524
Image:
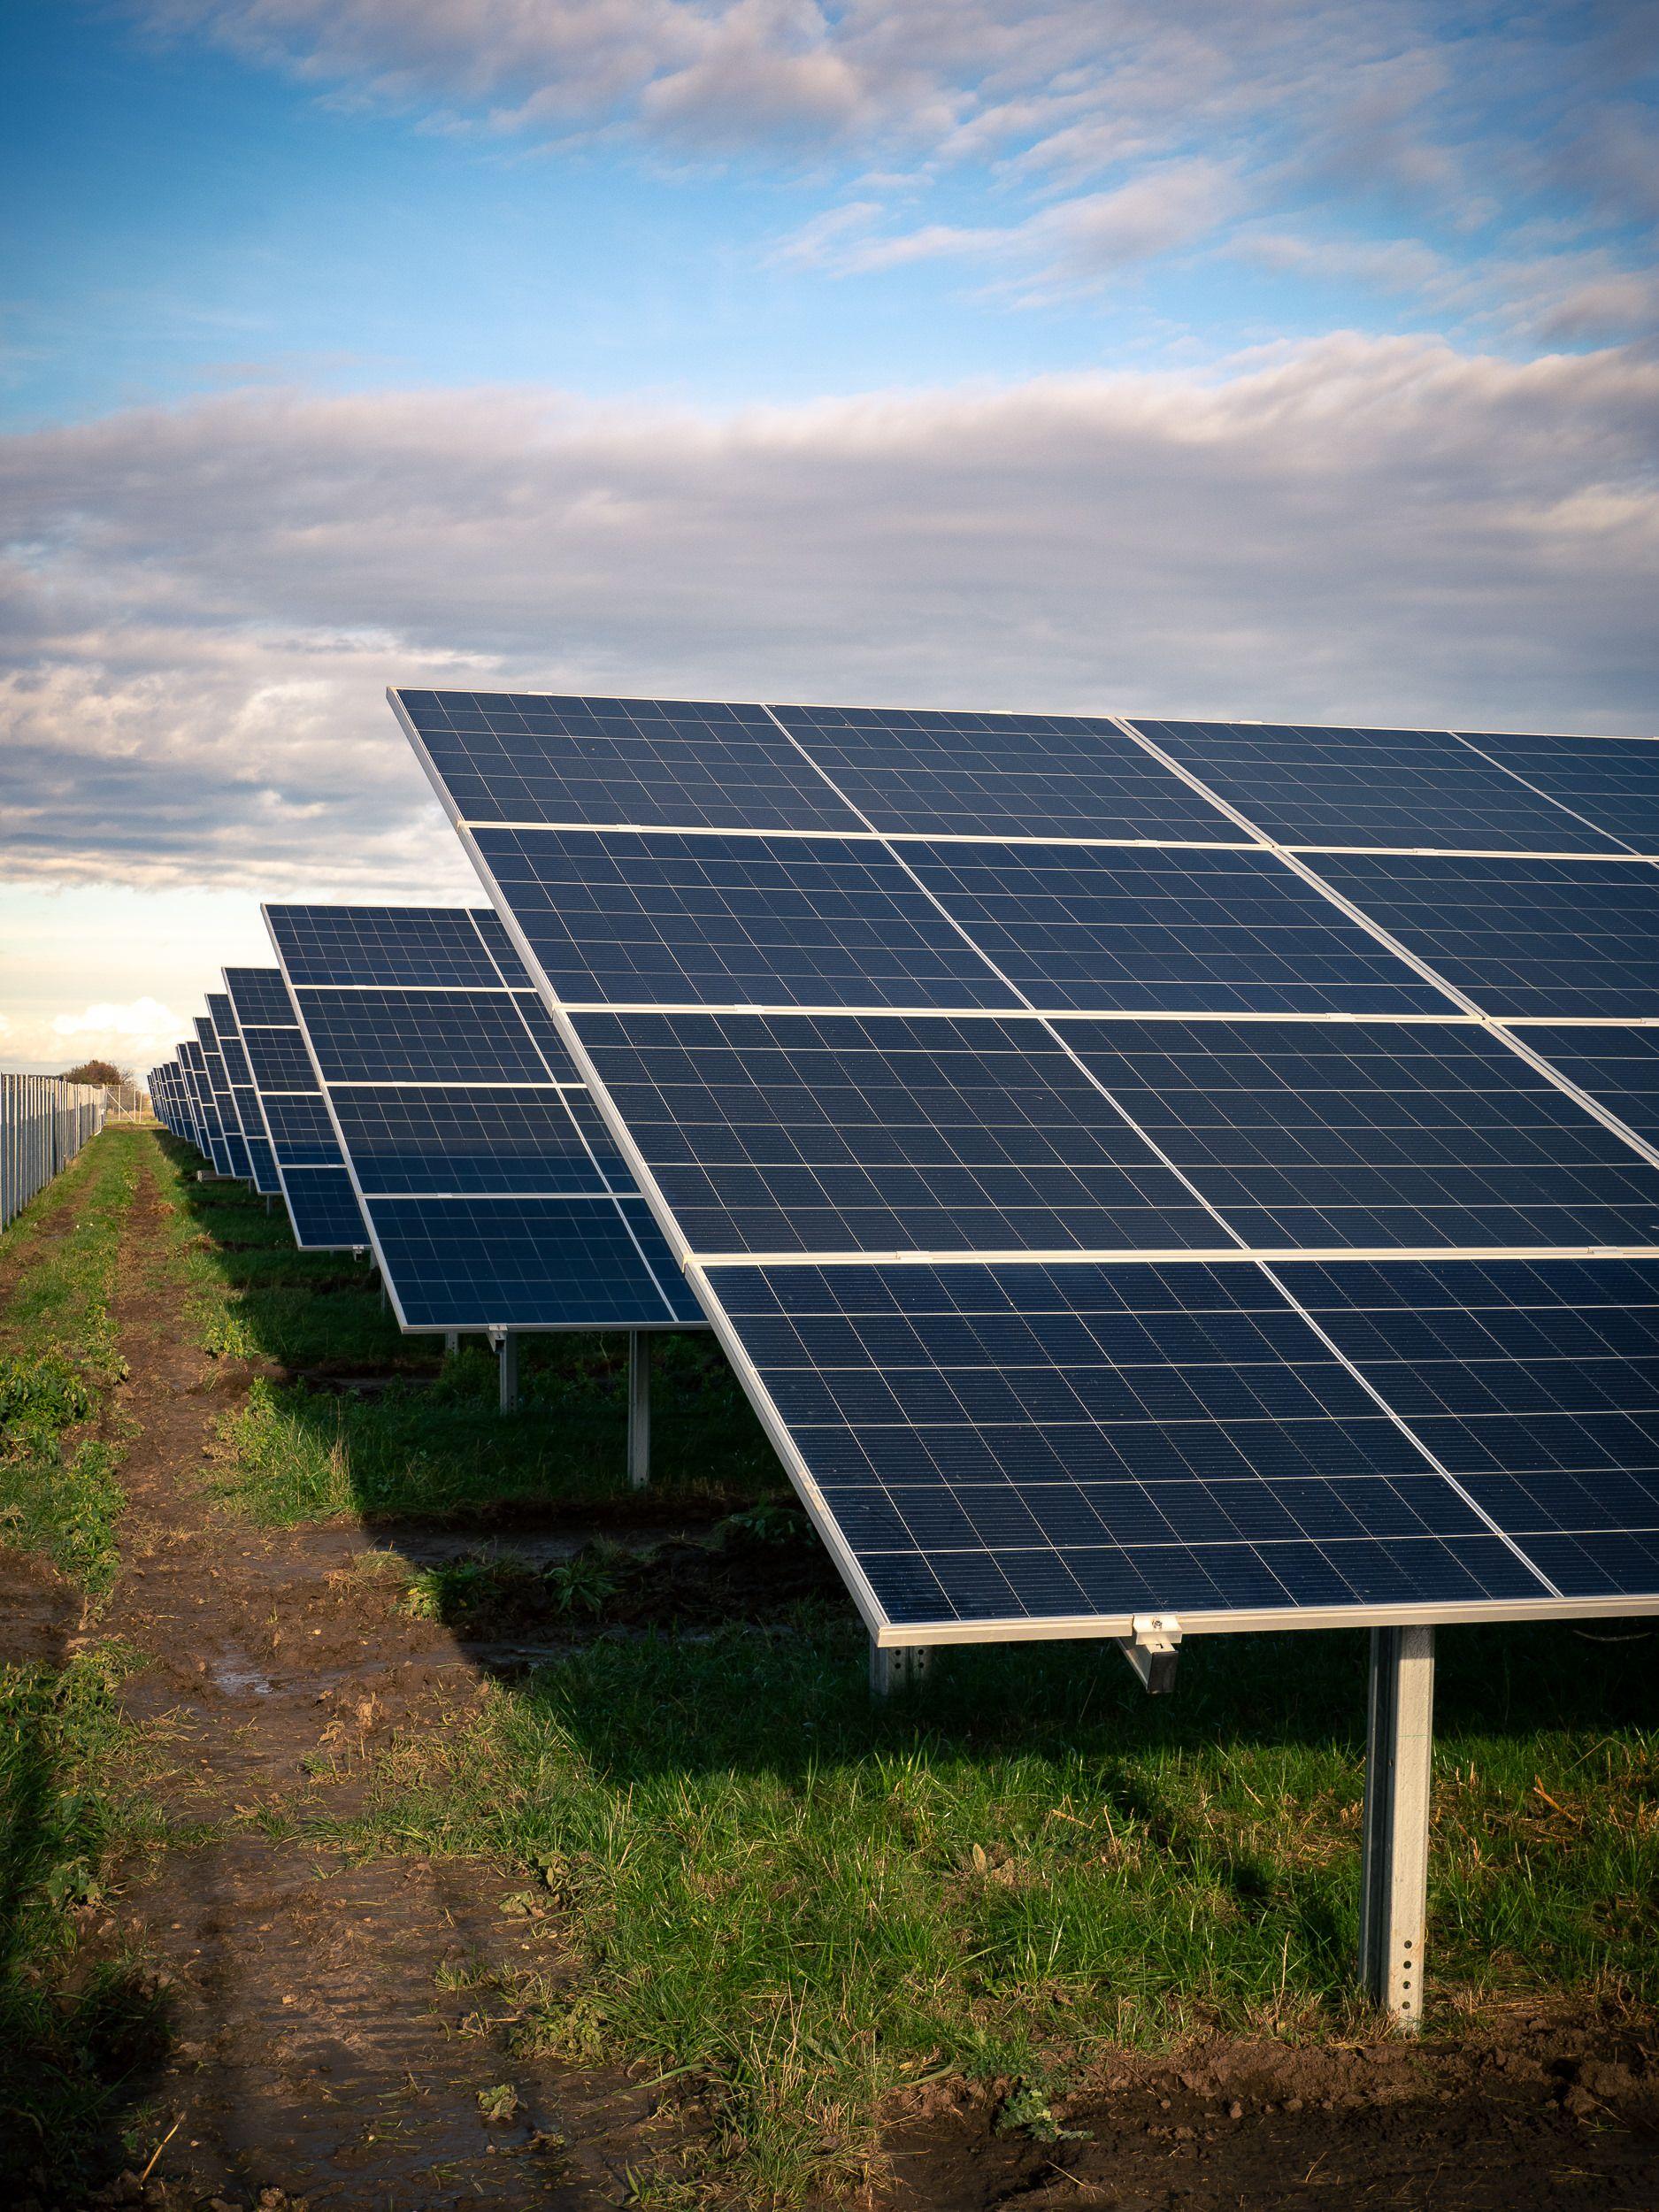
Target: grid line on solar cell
x,y
534,1263
1302,785
656,916
1032,1443
1618,1067
1066,774
527,757
1536,1383
432,1035
458,1140
1315,1135
792,1134
1518,936
382,946
1228,931
1611,781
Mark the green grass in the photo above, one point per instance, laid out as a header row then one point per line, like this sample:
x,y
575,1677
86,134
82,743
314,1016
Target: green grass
x,y
58,1358
810,1901
74,2031
442,1450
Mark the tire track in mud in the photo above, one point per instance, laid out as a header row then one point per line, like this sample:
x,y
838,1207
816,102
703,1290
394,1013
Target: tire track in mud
x,y
313,2053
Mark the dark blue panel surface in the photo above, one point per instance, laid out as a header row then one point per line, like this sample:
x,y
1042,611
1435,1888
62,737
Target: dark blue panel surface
x,y
846,1133
419,1036
1328,1135
1028,1443
261,1160
387,945
1619,1068
1190,931
278,1060
1612,781
1308,785
1536,1383
411,1142
1002,774
733,921
534,1263
301,1130
500,947
1560,939
676,763
259,995
323,1208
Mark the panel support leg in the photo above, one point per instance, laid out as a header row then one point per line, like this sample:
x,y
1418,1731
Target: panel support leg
x,y
894,1667
1394,1851
638,1410
507,1352
452,1342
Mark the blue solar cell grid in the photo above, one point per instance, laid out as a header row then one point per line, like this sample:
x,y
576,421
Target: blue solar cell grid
x,y
1024,1443
406,1143
749,921
1002,775
645,762
1323,1135
1619,1068
1098,929
528,1264
1559,940
367,1036
1373,787
848,1133
1611,781
1535,1383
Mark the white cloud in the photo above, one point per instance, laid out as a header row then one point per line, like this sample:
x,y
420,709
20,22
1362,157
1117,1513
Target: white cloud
x,y
207,603
136,1034
1072,245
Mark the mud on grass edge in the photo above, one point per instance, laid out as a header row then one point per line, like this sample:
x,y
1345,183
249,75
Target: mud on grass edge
x,y
797,1905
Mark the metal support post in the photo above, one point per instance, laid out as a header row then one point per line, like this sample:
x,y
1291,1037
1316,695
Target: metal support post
x,y
1395,1850
894,1667
638,1410
452,1342
506,1343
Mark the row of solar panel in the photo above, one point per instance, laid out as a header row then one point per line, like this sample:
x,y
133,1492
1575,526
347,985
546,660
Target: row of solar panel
x,y
654,764
442,1126
895,1095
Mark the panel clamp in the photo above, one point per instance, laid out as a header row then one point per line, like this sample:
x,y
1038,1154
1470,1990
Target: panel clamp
x,y
1153,1651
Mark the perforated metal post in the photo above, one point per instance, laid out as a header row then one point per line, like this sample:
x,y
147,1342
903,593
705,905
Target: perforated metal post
x,y
509,1357
638,1410
1394,1851
451,1341
894,1667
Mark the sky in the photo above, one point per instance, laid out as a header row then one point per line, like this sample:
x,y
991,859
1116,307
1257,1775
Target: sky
x,y
1296,361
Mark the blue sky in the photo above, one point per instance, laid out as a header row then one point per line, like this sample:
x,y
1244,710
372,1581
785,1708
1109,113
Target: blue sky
x,y
1297,360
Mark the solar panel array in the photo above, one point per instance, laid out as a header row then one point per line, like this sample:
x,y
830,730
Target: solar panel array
x,y
490,1188
311,1169
1133,1167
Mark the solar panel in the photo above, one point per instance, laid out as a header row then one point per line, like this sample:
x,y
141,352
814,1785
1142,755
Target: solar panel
x,y
1551,940
261,1159
665,918
311,1168
642,761
214,1093
1618,1067
468,1139
1095,929
1348,1135
1535,1384
1042,775
1407,788
1000,1446
242,1108
1611,781
1013,1148
847,1132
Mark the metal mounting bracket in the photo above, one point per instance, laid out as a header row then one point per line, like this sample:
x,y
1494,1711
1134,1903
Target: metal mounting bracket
x,y
1153,1650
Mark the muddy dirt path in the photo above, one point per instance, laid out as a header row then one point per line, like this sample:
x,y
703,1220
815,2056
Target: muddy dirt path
x,y
317,2049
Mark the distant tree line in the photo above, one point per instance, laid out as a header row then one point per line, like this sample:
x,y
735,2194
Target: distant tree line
x,y
97,1071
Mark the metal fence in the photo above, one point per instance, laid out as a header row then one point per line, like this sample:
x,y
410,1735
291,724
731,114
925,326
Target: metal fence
x,y
43,1123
